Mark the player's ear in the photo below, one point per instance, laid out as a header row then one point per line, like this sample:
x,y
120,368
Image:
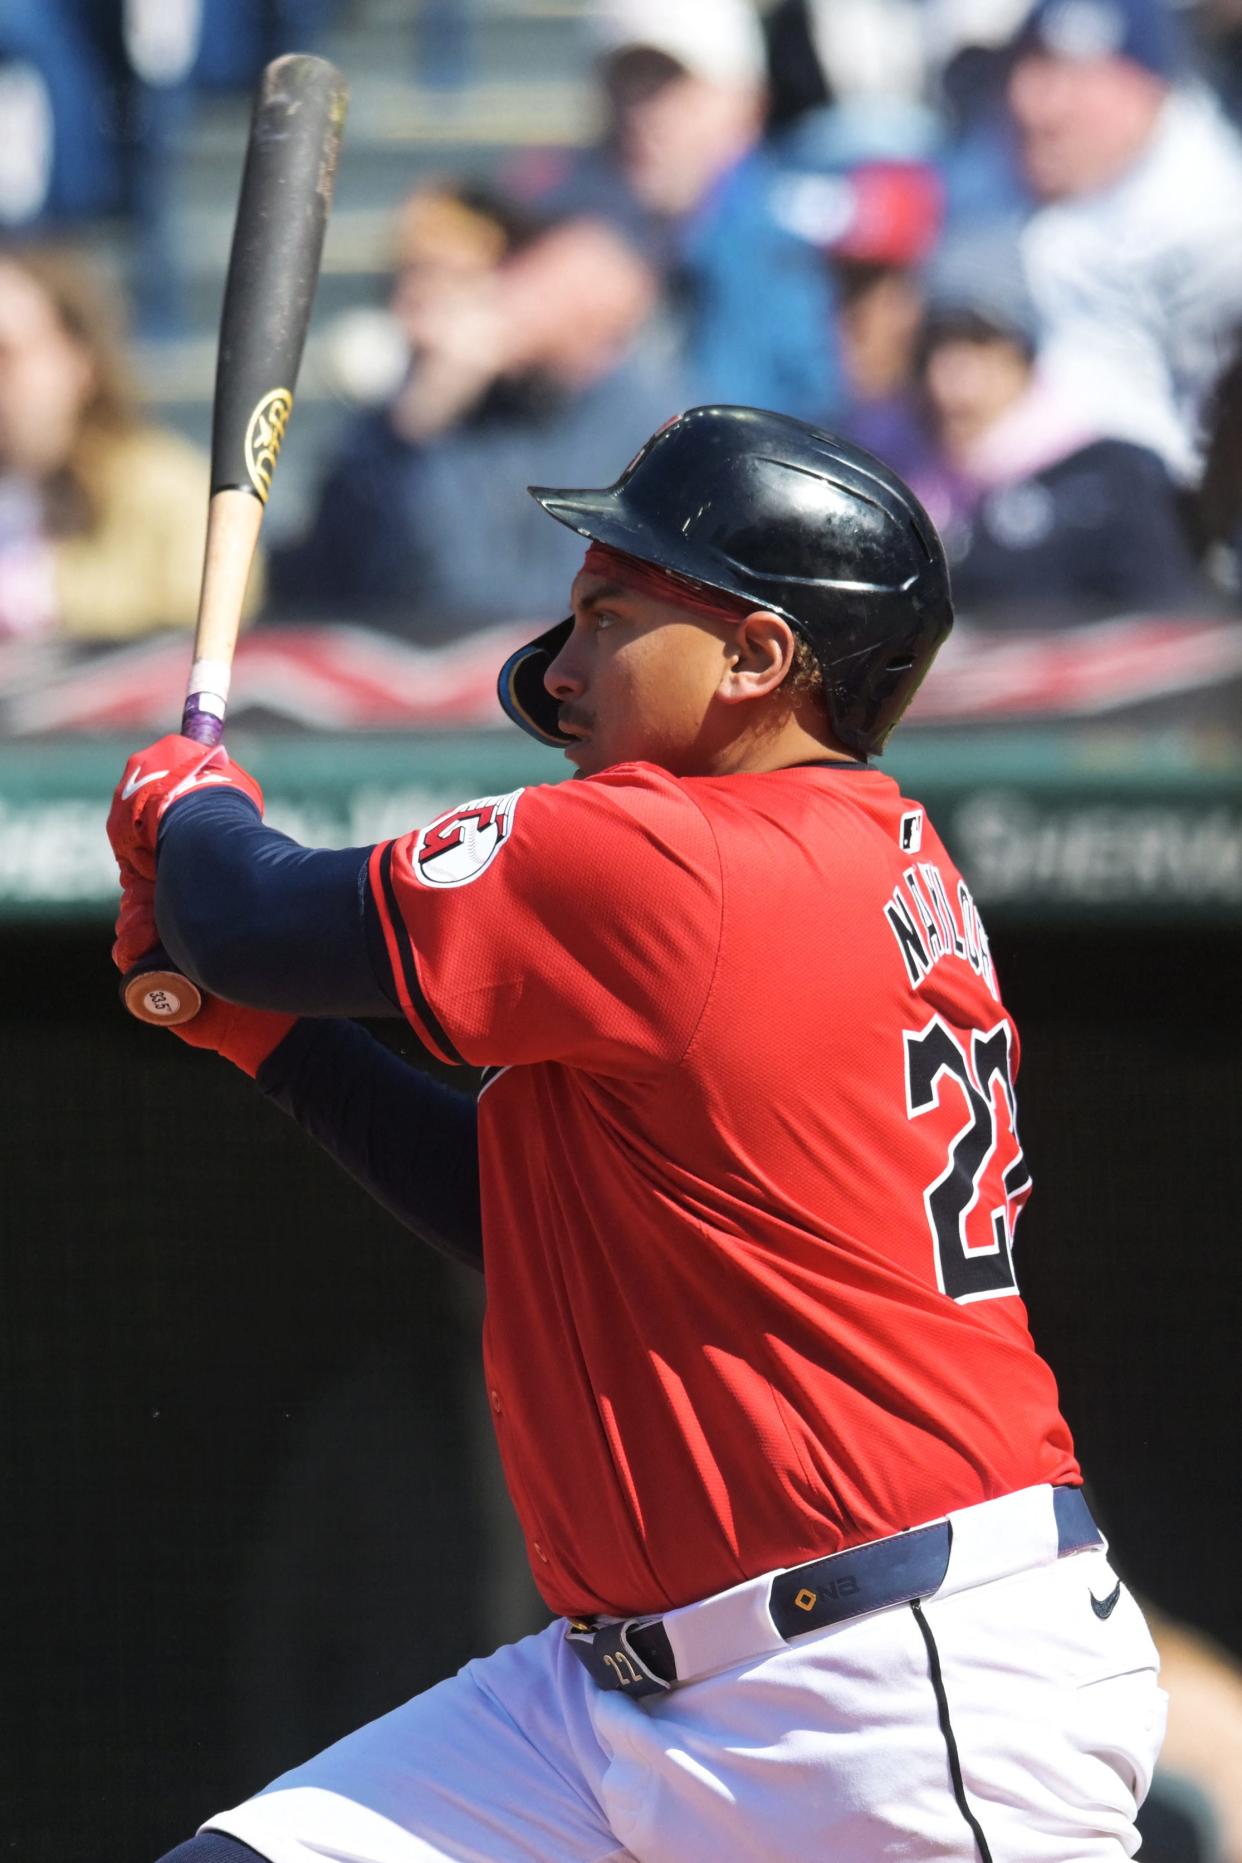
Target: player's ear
x,y
760,654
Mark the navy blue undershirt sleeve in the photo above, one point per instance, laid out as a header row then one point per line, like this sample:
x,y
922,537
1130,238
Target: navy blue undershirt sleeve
x,y
252,916
409,1140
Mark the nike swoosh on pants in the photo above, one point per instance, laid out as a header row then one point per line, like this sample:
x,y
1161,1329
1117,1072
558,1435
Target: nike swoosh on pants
x,y
1103,1607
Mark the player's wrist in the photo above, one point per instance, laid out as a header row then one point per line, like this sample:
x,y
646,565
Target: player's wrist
x,y
246,1037
221,796
255,1038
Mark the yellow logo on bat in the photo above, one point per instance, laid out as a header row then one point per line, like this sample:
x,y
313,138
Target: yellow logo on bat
x,y
264,436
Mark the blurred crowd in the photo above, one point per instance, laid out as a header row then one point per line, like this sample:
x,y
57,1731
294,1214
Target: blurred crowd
x,y
997,243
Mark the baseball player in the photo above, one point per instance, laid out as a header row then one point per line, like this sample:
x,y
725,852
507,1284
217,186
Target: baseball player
x,y
743,1176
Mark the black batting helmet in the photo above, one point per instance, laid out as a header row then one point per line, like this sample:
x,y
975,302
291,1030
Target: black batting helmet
x,y
801,523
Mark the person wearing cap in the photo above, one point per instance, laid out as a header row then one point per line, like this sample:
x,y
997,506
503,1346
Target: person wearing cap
x,y
682,172
1133,255
1041,508
876,225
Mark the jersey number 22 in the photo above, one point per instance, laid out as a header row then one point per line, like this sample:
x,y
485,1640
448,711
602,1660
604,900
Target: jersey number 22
x,y
973,1206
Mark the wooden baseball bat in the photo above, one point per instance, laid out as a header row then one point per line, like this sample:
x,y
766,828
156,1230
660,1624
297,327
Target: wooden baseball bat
x,y
282,213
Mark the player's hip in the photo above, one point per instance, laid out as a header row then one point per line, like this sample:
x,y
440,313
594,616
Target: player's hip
x,y
996,1652
1019,1717
972,1546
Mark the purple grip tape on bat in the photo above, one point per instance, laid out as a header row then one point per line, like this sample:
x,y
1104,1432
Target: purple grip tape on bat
x,y
205,727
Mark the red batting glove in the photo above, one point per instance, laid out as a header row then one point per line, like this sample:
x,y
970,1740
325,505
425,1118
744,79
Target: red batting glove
x,y
156,778
243,1036
136,935
246,1037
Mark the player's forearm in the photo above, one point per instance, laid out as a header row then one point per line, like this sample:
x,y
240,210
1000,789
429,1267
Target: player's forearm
x,y
409,1140
255,918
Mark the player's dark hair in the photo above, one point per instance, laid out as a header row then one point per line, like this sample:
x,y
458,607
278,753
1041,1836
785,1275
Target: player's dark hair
x,y
805,677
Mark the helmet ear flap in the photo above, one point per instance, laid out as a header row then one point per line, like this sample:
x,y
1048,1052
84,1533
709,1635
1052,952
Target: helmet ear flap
x,y
524,696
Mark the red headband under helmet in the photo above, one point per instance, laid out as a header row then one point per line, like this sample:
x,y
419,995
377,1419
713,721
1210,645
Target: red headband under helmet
x,y
663,585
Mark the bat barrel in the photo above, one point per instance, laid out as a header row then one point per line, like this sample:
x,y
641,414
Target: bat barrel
x,y
282,213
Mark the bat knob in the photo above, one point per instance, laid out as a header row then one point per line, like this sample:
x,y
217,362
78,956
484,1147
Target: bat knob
x,y
155,993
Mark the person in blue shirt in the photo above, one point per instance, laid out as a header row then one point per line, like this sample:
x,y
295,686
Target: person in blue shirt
x,y
683,172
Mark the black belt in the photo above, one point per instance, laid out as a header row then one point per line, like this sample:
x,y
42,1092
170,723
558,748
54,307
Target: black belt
x,y
637,1656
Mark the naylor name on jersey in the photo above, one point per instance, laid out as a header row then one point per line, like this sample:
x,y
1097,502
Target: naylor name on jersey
x,y
461,844
927,927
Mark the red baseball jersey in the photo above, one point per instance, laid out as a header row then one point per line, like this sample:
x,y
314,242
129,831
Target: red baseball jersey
x,y
749,1162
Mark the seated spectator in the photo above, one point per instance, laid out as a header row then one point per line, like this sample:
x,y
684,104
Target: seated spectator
x,y
876,225
532,357
681,171
102,515
1134,259
1039,508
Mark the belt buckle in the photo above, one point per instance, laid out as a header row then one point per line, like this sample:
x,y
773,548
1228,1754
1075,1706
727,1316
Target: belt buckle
x,y
606,1651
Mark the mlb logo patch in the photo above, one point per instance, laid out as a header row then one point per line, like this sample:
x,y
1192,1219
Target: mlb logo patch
x,y
912,832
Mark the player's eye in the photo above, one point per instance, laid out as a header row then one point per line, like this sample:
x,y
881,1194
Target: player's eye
x,y
602,618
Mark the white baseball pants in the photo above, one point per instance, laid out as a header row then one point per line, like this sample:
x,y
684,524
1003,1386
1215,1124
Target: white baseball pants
x,y
1001,1720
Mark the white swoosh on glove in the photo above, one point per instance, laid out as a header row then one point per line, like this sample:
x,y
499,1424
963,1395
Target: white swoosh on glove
x,y
135,782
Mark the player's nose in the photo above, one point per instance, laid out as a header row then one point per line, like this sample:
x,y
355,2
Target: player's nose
x,y
564,678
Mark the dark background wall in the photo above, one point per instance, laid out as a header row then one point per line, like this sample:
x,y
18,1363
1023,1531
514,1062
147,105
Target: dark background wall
x,y
248,1498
